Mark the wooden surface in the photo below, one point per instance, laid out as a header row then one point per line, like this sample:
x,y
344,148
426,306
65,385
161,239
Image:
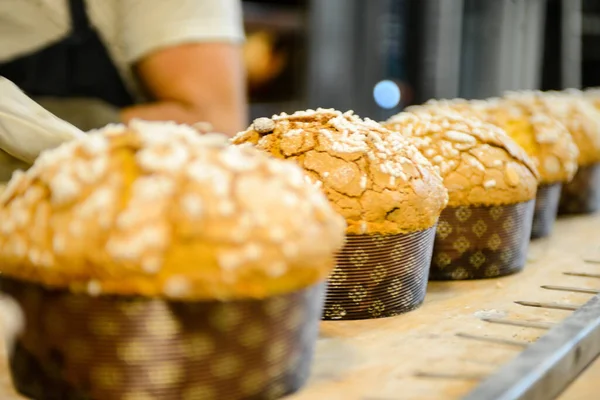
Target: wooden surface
x,y
378,359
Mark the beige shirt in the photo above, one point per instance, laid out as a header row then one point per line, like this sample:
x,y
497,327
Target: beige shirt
x,y
130,29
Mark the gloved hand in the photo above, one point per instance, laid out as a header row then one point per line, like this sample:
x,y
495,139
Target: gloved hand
x,y
26,128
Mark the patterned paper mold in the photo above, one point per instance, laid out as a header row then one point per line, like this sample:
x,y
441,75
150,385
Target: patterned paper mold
x,y
379,276
481,242
546,209
81,347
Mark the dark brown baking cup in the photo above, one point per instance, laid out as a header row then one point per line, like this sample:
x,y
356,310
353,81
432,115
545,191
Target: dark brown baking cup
x,y
582,194
379,276
77,347
481,242
546,209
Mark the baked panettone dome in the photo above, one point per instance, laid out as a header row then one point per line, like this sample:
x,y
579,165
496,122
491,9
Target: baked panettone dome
x,y
155,209
377,180
480,164
468,108
548,143
593,95
544,139
579,116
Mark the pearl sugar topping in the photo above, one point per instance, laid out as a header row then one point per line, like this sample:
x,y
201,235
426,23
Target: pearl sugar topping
x,y
130,211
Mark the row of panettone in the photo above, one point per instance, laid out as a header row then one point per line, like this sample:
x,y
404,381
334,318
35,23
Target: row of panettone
x,y
152,262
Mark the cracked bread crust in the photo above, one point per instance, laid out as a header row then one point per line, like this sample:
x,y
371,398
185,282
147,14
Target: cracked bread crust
x,y
592,95
467,108
377,180
544,139
579,116
155,209
480,164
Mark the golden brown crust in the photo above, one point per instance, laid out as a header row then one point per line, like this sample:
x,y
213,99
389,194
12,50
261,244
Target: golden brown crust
x,y
544,139
157,210
375,179
581,118
468,108
480,164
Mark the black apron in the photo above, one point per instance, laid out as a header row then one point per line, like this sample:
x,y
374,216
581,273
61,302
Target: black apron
x,y
77,67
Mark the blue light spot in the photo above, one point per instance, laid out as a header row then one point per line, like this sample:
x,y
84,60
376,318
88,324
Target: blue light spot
x,y
387,94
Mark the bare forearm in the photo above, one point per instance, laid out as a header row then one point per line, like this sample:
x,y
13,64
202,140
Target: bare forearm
x,y
190,83
228,120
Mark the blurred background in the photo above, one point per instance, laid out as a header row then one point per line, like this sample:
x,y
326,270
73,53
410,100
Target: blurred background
x,y
379,56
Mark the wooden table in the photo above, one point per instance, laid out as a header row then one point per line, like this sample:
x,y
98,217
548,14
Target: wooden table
x,y
378,359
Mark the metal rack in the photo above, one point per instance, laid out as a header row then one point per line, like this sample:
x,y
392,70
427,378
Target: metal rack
x,y
545,368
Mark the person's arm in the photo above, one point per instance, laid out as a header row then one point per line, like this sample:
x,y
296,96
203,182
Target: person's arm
x,y
192,83
187,55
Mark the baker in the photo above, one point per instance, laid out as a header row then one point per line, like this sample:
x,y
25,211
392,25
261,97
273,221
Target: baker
x,y
94,62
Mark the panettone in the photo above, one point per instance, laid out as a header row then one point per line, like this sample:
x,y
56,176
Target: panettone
x,y
579,116
468,108
377,180
155,209
546,140
479,163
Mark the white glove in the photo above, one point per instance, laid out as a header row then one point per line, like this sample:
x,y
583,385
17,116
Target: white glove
x,y
26,128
